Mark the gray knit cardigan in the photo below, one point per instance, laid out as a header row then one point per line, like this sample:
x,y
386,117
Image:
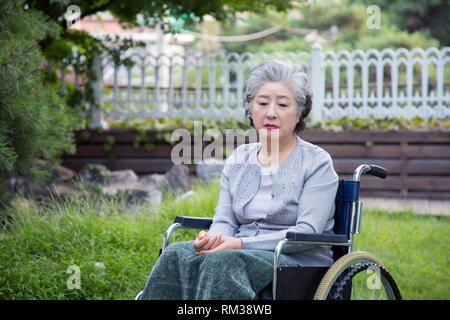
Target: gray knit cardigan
x,y
303,192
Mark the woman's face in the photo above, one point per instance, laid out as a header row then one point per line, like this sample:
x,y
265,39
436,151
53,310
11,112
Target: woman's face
x,y
274,103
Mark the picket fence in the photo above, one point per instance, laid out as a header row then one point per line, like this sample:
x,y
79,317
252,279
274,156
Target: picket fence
x,y
379,84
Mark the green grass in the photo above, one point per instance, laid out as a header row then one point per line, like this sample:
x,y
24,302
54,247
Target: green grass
x,y
414,248
42,242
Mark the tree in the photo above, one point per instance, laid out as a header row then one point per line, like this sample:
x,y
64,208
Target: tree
x,y
34,123
154,11
129,13
418,15
346,18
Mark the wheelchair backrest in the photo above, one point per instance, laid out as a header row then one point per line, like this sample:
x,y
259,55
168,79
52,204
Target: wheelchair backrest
x,y
347,193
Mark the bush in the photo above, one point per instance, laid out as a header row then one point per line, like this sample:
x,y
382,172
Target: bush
x,y
34,122
165,126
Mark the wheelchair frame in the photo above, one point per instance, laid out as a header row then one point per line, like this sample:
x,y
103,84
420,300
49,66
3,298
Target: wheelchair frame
x,y
327,239
343,239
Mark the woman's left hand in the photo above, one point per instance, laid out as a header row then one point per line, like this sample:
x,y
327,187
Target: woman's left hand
x,y
226,243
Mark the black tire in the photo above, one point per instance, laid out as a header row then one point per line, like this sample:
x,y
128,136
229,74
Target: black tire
x,y
338,281
384,286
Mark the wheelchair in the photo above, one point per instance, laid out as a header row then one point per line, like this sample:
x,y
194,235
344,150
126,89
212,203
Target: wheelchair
x,y
353,275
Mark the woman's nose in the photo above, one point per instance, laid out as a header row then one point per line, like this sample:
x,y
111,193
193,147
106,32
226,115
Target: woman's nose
x,y
271,112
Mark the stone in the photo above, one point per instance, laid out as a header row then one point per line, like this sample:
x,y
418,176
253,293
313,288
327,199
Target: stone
x,y
92,174
155,179
16,184
178,179
60,173
125,185
121,177
136,196
19,184
210,168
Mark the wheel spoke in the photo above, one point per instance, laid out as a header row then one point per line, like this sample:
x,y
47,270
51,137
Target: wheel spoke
x,y
361,288
373,294
352,277
358,278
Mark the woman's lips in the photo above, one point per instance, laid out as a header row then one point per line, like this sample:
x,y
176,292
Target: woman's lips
x,y
270,127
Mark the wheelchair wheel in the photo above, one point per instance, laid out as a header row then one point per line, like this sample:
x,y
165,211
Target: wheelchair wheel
x,y
357,276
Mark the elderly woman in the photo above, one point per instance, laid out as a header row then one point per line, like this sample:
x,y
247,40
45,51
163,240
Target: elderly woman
x,y
268,188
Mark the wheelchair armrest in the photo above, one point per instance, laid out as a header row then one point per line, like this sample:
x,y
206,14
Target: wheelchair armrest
x,y
193,222
317,237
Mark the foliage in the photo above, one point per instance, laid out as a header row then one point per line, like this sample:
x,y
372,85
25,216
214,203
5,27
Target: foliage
x,y
43,241
342,26
33,121
417,15
73,44
150,13
164,126
291,44
388,37
82,231
76,48
416,123
153,12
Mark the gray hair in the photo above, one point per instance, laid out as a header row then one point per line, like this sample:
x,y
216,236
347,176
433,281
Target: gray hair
x,y
280,71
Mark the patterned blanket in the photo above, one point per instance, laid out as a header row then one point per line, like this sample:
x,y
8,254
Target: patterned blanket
x,y
179,274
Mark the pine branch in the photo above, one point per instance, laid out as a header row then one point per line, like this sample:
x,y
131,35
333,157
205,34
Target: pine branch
x,y
14,58
41,25
22,114
2,36
27,75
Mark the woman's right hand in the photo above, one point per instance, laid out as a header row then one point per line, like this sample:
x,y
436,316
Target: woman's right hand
x,y
206,242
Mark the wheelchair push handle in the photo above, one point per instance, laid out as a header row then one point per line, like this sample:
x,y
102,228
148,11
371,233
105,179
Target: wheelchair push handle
x,y
377,171
370,169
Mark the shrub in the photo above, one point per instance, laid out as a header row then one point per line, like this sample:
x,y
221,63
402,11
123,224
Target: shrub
x,y
34,123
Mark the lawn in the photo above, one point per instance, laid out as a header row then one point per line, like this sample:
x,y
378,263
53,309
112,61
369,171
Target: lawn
x,y
40,248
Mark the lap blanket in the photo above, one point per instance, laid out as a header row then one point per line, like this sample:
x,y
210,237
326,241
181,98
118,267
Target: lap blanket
x,y
179,274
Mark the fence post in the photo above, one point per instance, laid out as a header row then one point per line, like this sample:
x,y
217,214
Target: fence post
x,y
97,87
317,82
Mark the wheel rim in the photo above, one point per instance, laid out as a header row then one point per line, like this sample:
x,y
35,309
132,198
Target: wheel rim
x,y
347,266
343,266
367,281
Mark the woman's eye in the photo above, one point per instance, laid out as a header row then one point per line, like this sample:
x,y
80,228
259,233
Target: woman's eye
x,y
283,105
263,104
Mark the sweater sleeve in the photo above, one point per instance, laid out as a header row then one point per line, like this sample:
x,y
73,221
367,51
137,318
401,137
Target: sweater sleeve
x,y
224,221
316,204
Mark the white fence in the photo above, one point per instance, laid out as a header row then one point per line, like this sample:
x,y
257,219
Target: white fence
x,y
379,84
379,93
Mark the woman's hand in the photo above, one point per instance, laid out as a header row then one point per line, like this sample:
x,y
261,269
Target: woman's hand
x,y
206,242
226,243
